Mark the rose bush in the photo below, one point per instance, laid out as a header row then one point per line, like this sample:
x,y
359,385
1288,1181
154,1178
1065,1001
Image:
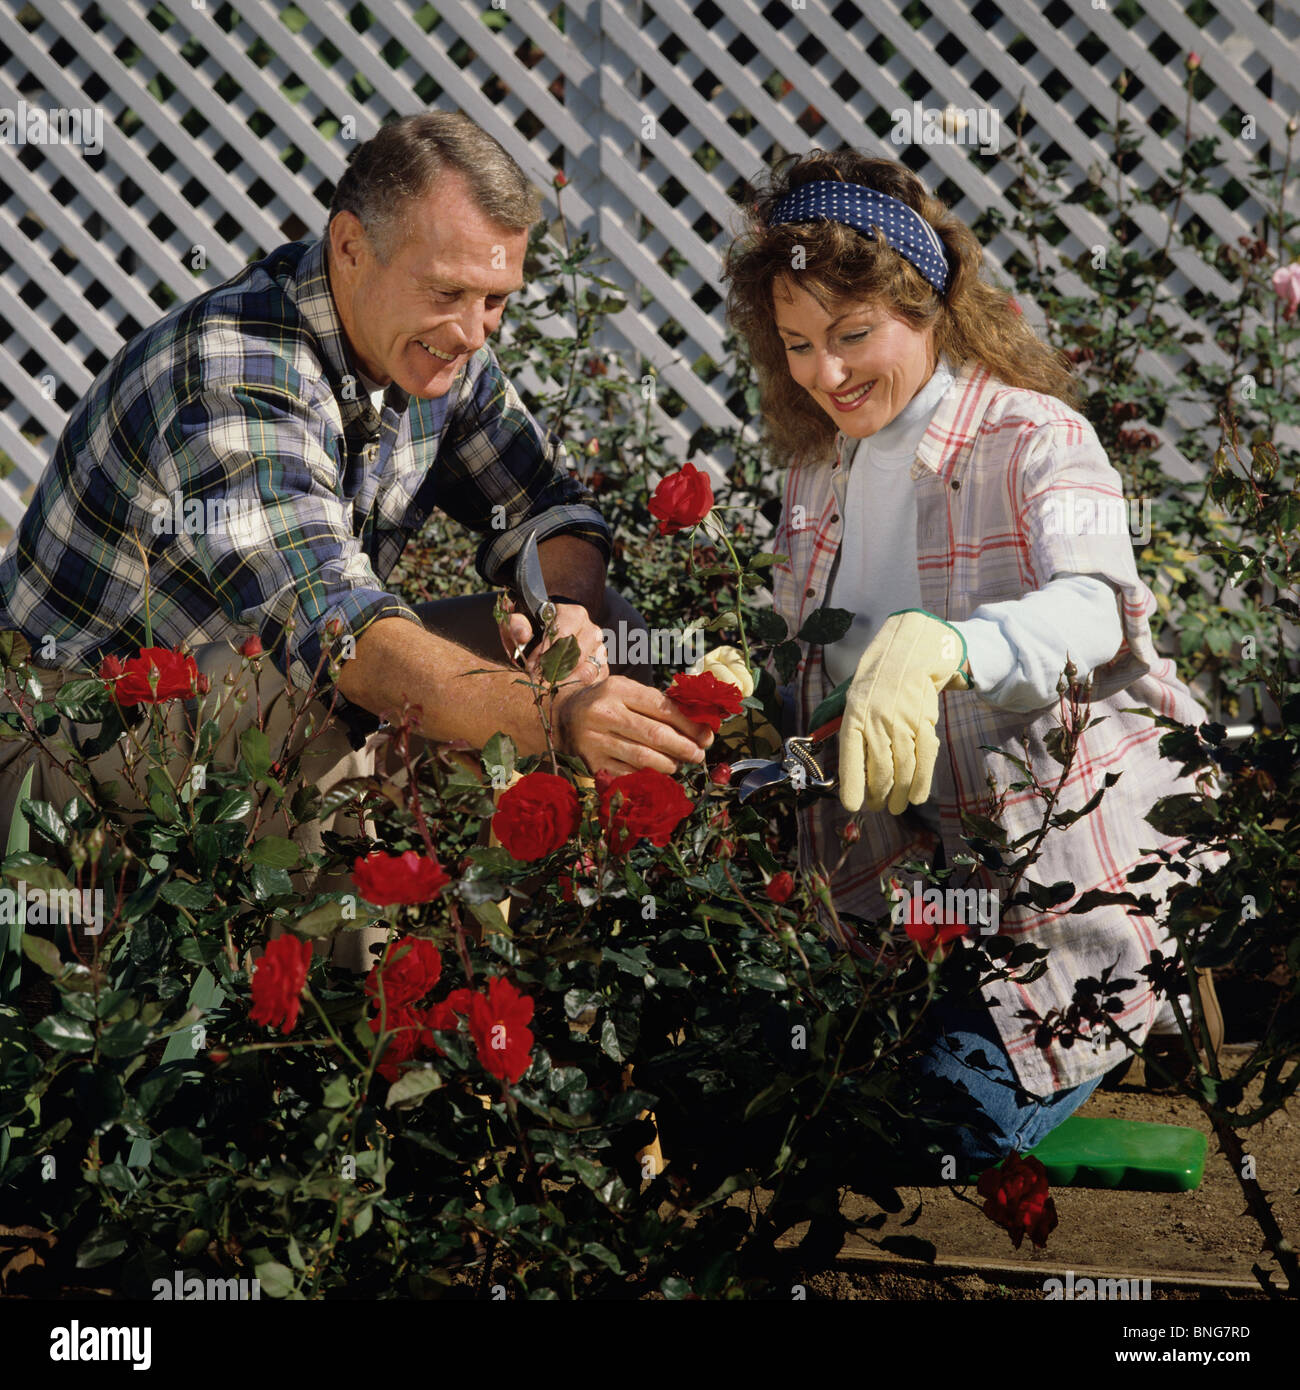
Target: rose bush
x,y
482,1116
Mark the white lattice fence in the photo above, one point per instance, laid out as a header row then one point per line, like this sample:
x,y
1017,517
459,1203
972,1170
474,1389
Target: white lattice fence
x,y
224,129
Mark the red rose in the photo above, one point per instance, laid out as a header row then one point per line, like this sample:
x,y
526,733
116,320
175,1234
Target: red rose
x,y
705,699
410,968
251,646
385,879
278,979
409,1027
925,924
155,675
1016,1197
445,1016
682,499
560,180
536,816
780,886
720,774
644,804
498,1022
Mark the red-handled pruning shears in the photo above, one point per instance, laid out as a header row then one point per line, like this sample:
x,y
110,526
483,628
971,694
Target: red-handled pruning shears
x,y
798,766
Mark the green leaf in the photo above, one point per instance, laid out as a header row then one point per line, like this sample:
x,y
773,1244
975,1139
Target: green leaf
x,y
125,1038
499,752
343,792
560,659
15,650
275,852
194,897
411,1088
235,804
83,701
786,657
825,625
43,954
489,914
103,1244
270,882
276,1280
45,819
761,976
322,920
65,1033
256,751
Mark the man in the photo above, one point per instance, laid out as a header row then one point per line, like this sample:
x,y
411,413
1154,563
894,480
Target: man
x,y
313,411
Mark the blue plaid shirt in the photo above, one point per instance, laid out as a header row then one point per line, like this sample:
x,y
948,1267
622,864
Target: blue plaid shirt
x,y
235,441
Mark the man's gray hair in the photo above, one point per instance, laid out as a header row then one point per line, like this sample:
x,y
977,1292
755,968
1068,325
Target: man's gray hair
x,y
404,161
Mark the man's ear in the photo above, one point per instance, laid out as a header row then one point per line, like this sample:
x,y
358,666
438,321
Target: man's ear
x,y
349,245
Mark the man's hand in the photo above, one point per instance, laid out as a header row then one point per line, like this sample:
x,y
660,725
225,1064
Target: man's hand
x,y
622,726
570,621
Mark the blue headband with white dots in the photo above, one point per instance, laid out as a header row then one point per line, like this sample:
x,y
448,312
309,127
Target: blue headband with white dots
x,y
866,209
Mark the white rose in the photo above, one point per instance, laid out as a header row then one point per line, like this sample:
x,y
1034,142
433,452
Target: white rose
x,y
727,664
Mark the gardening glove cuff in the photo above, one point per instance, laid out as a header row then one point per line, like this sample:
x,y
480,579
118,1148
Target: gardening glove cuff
x,y
888,745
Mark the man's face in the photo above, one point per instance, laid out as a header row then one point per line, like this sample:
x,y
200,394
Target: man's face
x,y
442,292
833,356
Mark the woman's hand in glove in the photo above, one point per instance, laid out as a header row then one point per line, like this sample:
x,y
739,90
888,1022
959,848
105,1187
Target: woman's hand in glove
x,y
888,744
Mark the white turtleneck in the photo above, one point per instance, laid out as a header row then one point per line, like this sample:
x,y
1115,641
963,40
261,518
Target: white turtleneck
x,y
1017,648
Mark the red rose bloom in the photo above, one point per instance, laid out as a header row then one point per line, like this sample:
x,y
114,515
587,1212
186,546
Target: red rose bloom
x,y
385,879
251,646
705,698
498,1022
682,499
1016,1197
536,816
644,804
150,678
780,887
410,968
409,1028
926,925
445,1016
278,979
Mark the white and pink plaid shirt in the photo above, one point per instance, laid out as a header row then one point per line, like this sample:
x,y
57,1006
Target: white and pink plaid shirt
x,y
1004,481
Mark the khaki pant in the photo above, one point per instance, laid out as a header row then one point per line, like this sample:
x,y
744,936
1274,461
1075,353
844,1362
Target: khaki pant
x,y
327,755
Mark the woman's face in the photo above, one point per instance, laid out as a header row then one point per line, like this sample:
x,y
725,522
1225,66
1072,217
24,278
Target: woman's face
x,y
834,356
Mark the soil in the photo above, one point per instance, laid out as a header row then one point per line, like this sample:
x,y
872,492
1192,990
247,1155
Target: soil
x,y
1191,1244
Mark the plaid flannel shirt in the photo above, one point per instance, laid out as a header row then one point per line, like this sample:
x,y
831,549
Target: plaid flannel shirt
x,y
991,475
234,440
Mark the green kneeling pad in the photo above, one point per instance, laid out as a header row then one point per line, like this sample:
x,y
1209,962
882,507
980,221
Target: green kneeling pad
x,y
1123,1153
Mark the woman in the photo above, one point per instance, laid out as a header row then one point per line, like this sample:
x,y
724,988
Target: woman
x,y
943,488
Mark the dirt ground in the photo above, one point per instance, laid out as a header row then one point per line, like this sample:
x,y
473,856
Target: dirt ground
x,y
1191,1244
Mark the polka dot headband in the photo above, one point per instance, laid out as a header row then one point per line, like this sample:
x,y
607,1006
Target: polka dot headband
x,y
865,209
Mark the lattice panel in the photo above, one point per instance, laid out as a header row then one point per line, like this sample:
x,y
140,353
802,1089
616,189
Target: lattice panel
x,y
225,128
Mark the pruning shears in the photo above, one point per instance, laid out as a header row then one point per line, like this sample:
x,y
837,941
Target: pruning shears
x,y
798,765
529,589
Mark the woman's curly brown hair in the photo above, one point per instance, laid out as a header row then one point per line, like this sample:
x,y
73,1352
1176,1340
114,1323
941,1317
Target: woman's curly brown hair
x,y
972,320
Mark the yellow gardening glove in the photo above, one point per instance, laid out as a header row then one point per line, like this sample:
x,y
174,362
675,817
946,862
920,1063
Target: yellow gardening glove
x,y
728,664
887,739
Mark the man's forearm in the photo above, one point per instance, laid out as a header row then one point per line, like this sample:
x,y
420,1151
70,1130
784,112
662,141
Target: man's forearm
x,y
575,568
397,660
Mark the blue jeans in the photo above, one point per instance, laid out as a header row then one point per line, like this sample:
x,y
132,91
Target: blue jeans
x,y
1000,1124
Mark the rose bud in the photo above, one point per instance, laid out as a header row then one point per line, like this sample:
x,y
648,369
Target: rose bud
x,y
851,833
780,887
720,773
217,1055
251,646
